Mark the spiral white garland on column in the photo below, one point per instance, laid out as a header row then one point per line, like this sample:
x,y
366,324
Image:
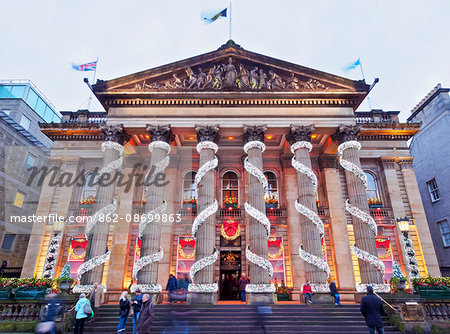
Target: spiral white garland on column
x,y
52,254
261,218
200,219
354,211
103,212
308,213
145,220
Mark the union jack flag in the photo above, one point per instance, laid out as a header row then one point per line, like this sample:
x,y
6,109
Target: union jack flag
x,y
92,66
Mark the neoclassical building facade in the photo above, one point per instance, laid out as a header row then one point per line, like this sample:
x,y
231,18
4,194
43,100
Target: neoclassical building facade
x,y
240,163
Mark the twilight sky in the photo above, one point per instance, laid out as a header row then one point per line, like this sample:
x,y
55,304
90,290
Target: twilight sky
x,y
404,42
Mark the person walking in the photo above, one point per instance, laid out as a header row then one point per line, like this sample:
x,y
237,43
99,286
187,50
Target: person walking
x,y
146,316
372,310
97,298
124,304
49,323
307,292
137,304
334,293
243,281
171,287
80,314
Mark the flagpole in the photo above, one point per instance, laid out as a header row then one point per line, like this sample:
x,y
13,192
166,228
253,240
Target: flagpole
x,y
364,78
93,82
229,24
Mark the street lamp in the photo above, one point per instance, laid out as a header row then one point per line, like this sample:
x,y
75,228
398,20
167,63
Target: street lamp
x,y
58,226
403,224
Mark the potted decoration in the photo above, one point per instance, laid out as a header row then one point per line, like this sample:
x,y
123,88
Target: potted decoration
x,y
5,288
375,202
142,204
190,203
230,202
432,287
397,280
33,288
271,202
282,292
87,203
65,280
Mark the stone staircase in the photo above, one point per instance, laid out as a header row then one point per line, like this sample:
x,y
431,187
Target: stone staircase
x,y
287,318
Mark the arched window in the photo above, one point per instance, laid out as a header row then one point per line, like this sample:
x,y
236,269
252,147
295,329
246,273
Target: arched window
x,y
271,195
230,190
372,189
89,190
189,192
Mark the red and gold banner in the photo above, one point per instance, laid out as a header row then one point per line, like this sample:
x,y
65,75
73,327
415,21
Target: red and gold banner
x,y
276,257
77,242
185,256
230,229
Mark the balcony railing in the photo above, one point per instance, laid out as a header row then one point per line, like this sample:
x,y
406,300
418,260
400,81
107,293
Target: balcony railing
x,y
83,116
377,116
381,212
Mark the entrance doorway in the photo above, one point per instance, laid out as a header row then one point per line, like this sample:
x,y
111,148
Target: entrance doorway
x,y
230,271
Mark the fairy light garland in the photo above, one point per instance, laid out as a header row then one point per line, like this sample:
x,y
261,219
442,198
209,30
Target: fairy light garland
x,y
261,218
105,211
308,213
383,288
86,288
200,219
318,287
144,261
411,256
52,252
357,212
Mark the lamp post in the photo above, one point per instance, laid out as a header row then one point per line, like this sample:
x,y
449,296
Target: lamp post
x,y
408,251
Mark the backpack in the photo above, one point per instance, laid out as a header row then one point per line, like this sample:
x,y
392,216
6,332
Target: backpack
x,y
88,310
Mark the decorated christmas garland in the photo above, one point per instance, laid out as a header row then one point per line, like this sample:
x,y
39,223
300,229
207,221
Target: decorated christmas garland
x,y
224,230
278,243
107,210
155,257
308,213
261,218
52,254
354,211
181,251
200,219
411,257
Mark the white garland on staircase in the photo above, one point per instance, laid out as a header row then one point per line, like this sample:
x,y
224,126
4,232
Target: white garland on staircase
x,y
261,218
200,219
144,221
354,211
308,213
105,211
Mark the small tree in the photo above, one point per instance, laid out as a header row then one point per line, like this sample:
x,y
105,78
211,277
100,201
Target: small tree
x,y
397,272
283,288
66,271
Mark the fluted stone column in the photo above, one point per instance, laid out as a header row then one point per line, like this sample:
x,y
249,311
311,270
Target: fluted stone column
x,y
205,239
98,237
258,233
151,237
311,237
364,236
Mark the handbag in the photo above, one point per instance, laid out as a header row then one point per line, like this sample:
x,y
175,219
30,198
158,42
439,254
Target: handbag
x,y
88,310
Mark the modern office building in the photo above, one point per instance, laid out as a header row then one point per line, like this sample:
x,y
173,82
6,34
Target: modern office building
x,y
431,153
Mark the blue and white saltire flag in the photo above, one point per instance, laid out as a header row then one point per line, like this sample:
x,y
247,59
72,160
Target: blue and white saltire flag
x,y
92,66
210,18
353,65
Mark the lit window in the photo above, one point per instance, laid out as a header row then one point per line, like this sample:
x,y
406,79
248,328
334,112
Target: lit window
x,y
8,241
271,195
30,160
445,232
433,190
89,190
230,190
189,191
19,199
25,122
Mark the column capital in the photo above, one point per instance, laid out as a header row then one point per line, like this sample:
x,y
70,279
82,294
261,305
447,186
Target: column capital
x,y
115,133
300,133
388,163
346,133
328,161
406,162
207,133
254,133
160,133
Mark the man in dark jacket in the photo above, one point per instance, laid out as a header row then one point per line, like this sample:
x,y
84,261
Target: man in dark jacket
x,y
372,309
334,293
171,287
137,304
243,281
146,315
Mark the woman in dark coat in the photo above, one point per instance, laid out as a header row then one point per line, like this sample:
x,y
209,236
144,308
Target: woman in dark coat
x,y
124,311
171,287
372,309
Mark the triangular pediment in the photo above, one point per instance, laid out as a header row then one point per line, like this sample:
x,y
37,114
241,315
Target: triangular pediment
x,y
230,69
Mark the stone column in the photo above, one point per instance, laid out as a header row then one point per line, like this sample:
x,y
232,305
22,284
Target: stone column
x,y
98,235
300,139
207,137
161,137
364,236
258,233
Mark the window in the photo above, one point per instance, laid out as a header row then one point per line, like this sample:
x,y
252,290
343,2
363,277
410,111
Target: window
x,y
433,190
372,188
89,190
445,232
32,98
30,160
8,241
4,91
25,122
230,190
17,91
271,195
6,111
19,199
189,192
